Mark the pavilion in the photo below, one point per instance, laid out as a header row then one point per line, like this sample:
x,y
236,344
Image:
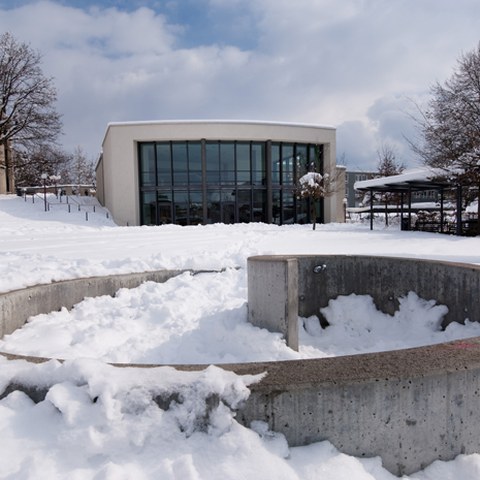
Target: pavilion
x,y
415,180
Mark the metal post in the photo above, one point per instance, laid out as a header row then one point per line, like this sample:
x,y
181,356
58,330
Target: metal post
x,y
458,230
371,209
44,178
409,207
401,210
441,210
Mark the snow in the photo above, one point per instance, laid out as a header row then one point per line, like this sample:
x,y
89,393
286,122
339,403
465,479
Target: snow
x,y
98,421
311,179
419,174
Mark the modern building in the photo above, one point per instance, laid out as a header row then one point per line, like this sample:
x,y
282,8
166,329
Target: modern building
x,y
353,197
200,172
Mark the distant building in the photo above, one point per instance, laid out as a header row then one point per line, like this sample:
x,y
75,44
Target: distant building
x,y
200,172
354,197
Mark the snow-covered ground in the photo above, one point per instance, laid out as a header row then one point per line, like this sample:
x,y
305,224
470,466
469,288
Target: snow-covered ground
x,y
101,422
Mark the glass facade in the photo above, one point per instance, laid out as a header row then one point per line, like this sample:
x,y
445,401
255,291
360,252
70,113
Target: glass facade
x,y
210,181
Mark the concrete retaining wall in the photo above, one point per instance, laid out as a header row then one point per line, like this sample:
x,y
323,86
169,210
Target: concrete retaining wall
x,y
410,407
17,306
314,280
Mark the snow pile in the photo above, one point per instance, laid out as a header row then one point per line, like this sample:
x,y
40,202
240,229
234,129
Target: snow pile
x,y
97,421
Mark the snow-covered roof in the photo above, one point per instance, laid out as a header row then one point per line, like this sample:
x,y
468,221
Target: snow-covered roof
x,y
226,121
421,177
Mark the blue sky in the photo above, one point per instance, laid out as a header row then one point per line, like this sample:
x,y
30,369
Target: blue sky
x,y
357,65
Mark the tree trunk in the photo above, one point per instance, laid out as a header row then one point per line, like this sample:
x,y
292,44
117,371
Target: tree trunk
x,y
478,210
313,213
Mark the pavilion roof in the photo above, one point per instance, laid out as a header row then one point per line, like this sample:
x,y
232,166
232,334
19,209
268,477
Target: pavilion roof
x,y
421,178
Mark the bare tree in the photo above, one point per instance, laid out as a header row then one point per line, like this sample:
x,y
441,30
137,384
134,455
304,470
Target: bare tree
x,y
82,169
32,163
388,166
27,97
450,126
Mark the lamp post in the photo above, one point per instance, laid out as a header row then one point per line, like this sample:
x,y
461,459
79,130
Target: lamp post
x,y
44,177
55,179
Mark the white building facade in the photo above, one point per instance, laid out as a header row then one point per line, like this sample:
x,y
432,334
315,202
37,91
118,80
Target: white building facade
x,y
201,172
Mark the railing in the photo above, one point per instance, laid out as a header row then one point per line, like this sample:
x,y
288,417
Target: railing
x,y
70,200
469,228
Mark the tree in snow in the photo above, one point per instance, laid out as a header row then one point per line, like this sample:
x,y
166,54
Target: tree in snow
x,y
27,97
388,166
82,169
32,163
450,126
313,186
73,168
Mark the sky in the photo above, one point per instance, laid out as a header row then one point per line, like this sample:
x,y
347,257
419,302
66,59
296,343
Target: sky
x,y
361,66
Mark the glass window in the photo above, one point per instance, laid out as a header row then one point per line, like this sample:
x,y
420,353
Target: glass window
x,y
147,164
227,156
244,204
313,157
303,214
276,207
164,207
258,164
212,160
180,163
164,164
195,163
228,177
243,178
259,205
301,161
196,208
180,206
243,156
258,178
213,206
276,163
288,212
318,155
258,157
228,205
195,156
149,212
212,156
287,164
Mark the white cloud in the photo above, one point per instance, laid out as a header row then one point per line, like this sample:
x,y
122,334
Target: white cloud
x,y
348,63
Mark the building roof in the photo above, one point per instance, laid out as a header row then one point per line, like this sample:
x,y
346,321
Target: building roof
x,y
421,178
216,121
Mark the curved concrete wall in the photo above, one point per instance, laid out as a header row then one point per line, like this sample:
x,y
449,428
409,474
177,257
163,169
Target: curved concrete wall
x,y
17,306
282,287
410,407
